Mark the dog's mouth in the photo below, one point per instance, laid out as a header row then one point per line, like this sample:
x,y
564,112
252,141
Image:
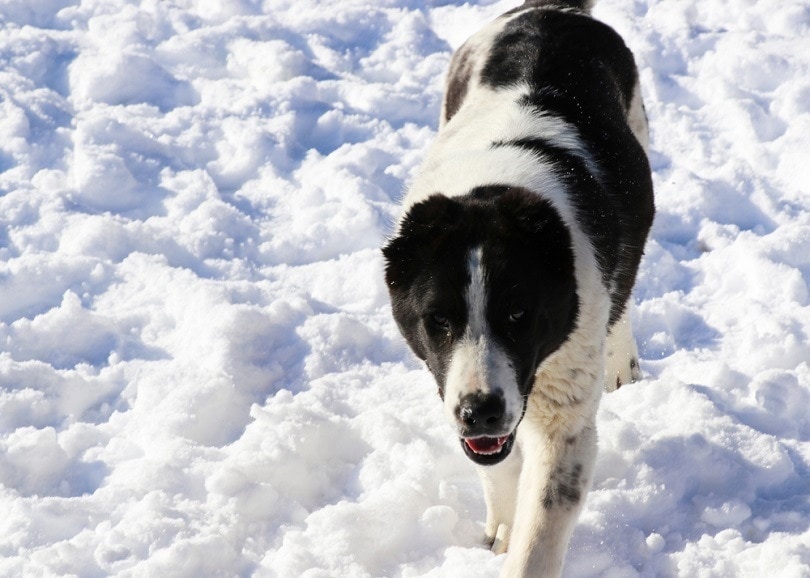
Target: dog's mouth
x,y
488,451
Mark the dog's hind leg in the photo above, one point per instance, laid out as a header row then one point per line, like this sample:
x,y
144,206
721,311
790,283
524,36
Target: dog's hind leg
x,y
500,484
637,119
621,363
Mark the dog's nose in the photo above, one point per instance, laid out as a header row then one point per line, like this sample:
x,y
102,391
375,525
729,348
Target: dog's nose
x,y
480,411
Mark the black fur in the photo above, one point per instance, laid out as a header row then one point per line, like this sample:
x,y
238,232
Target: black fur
x,y
565,489
581,71
458,81
526,251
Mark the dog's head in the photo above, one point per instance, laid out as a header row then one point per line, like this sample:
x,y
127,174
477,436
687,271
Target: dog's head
x,y
482,287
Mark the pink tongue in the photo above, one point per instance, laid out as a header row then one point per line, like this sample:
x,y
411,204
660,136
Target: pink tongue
x,y
486,445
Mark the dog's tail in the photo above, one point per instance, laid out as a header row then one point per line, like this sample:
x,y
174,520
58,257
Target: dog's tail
x,y
583,5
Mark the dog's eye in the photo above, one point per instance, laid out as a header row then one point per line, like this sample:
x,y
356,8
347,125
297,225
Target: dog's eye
x,y
516,315
439,320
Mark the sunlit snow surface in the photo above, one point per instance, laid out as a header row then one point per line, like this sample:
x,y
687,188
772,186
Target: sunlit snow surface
x,y
199,373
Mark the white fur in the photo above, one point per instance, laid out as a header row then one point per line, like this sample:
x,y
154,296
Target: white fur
x,y
637,119
478,47
461,156
500,494
621,353
477,364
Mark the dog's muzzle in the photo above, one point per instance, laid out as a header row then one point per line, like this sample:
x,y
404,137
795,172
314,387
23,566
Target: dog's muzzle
x,y
483,424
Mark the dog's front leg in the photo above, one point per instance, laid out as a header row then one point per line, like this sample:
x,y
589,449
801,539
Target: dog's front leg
x,y
500,484
556,476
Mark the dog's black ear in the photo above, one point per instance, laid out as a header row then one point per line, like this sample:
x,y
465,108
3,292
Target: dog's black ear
x,y
397,262
422,228
431,216
537,225
527,210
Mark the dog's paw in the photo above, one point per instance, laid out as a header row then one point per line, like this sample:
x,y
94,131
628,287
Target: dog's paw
x,y
499,543
621,355
621,371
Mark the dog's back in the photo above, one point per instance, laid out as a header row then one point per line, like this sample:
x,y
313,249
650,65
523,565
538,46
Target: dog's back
x,y
549,63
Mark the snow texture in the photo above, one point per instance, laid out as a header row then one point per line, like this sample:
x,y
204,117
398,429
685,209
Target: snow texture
x,y
199,372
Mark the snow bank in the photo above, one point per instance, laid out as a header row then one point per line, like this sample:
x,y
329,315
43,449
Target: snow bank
x,y
199,372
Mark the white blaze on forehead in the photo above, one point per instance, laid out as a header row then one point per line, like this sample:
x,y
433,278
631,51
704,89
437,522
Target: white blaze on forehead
x,y
478,364
476,296
468,371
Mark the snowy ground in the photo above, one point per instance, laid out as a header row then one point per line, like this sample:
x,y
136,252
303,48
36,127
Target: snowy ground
x,y
199,374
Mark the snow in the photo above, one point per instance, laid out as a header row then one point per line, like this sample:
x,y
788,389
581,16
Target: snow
x,y
199,373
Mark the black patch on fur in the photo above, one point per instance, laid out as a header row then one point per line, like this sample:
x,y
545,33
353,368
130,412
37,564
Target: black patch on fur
x,y
548,498
569,53
564,488
568,486
416,284
458,81
595,212
528,260
580,71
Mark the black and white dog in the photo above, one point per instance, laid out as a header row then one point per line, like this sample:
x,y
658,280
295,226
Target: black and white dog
x,y
515,257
